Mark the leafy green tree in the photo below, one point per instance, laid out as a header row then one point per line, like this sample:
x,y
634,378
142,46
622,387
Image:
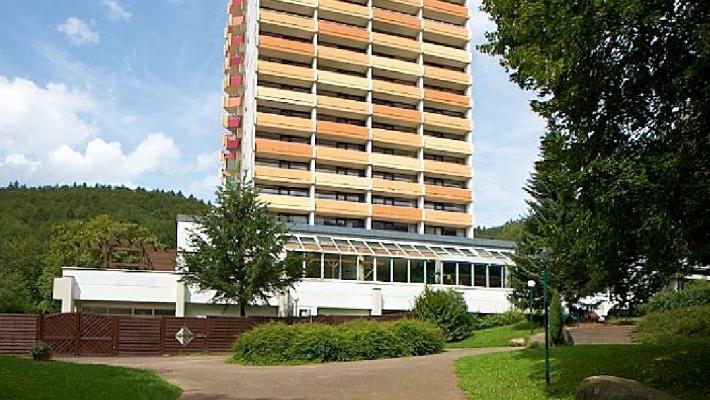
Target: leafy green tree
x,y
75,243
510,230
15,297
447,310
556,319
619,199
238,250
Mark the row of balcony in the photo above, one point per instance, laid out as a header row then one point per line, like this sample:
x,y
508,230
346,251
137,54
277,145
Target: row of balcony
x,y
283,176
352,158
348,209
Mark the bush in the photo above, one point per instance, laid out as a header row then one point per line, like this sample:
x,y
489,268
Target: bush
x,y
277,343
694,294
447,310
677,325
41,351
495,320
418,337
556,316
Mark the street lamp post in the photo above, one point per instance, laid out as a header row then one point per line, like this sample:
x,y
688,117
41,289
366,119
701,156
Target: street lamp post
x,y
547,330
531,286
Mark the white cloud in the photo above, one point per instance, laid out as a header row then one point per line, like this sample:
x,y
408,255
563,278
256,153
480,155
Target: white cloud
x,y
205,187
207,162
78,32
116,11
19,161
36,119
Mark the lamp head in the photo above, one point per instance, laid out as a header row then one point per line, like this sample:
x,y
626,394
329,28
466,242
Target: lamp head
x,y
531,283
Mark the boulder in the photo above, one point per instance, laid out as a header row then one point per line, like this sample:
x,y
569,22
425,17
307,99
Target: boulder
x,y
537,340
517,342
605,387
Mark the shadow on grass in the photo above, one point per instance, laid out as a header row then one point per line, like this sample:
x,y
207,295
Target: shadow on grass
x,y
679,369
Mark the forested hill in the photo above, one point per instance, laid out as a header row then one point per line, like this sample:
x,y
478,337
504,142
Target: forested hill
x,y
511,230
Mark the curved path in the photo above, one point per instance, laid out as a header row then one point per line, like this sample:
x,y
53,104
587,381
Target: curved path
x,y
205,377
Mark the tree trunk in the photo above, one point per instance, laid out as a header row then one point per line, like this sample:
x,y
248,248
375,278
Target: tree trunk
x,y
242,309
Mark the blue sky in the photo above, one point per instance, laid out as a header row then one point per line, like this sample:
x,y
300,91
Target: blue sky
x,y
128,92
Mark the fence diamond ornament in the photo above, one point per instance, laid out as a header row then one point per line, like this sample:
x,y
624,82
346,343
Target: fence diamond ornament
x,y
184,336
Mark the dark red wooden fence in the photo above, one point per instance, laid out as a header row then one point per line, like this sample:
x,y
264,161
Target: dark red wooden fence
x,y
80,334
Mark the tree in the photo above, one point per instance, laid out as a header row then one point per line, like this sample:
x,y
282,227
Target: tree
x,y
238,250
75,243
619,198
556,317
447,310
15,297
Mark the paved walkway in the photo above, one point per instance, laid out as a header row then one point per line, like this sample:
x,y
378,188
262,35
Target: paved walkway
x,y
595,333
205,377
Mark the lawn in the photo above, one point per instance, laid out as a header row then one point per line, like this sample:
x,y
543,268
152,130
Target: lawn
x,y
22,378
682,370
493,337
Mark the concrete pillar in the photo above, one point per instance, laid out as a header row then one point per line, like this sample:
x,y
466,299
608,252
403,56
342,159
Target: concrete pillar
x,y
376,310
63,289
180,299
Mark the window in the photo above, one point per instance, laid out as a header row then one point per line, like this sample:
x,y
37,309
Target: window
x,y
348,265
393,226
313,265
334,221
393,201
445,206
416,271
285,191
495,276
331,266
449,273
399,270
464,274
340,145
383,269
341,196
444,182
283,164
394,177
437,157
444,231
283,138
332,169
341,95
283,111
292,218
366,268
396,152
479,275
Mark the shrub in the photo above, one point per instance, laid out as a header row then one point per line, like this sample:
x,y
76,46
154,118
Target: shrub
x,y
512,317
41,351
418,337
694,294
556,316
447,310
277,343
676,325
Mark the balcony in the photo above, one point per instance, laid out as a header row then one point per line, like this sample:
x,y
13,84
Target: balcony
x,y
231,122
333,32
397,69
446,100
409,94
446,169
283,150
303,7
342,208
343,83
284,48
342,132
263,174
336,181
232,65
235,43
390,21
445,55
446,123
448,194
406,6
233,84
396,188
343,59
446,78
396,45
232,105
399,140
448,218
235,23
343,107
284,124
283,98
344,12
396,115
231,142
445,11
410,215
285,73
287,203
448,34
235,7
396,163
333,155
442,145
285,24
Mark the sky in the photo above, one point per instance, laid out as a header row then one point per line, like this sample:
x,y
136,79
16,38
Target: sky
x,y
128,92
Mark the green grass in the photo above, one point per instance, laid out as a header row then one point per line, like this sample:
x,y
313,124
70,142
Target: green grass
x,y
682,370
493,337
22,378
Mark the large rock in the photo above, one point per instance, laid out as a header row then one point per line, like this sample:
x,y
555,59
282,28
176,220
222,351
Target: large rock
x,y
517,342
605,387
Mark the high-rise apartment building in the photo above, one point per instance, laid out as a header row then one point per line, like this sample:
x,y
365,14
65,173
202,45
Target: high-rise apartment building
x,y
353,113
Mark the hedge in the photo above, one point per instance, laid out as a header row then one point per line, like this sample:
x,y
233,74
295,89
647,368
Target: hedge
x,y
673,326
277,343
694,294
447,310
